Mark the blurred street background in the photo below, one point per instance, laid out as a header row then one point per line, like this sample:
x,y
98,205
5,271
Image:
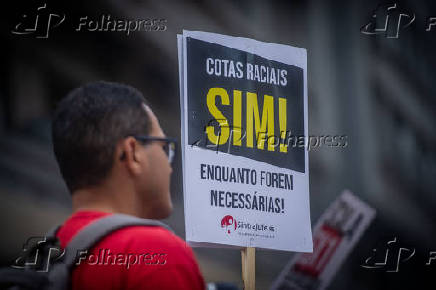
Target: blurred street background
x,y
378,90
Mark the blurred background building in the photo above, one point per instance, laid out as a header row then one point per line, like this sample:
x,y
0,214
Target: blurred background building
x,y
378,91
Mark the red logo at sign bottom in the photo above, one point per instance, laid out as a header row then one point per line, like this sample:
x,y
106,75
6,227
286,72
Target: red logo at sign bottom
x,y
228,223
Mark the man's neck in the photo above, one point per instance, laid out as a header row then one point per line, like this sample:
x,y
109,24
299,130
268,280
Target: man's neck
x,y
104,199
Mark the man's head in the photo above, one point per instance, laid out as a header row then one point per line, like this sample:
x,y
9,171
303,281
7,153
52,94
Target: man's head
x,y
93,141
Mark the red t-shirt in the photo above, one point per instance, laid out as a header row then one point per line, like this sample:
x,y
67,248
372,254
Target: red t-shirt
x,y
134,257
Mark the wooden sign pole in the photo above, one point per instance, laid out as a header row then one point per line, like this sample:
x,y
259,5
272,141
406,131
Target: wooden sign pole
x,y
248,256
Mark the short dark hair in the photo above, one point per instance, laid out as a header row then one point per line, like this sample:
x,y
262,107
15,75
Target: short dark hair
x,y
87,125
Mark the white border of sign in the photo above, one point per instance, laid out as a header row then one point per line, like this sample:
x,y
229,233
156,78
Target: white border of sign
x,y
296,231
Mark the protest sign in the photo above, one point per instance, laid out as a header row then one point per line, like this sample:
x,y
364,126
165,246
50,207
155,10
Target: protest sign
x,y
335,234
242,103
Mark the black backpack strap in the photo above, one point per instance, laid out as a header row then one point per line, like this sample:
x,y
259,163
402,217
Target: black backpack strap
x,y
86,238
52,232
17,279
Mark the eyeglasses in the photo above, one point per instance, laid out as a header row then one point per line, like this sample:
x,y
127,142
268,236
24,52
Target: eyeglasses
x,y
169,147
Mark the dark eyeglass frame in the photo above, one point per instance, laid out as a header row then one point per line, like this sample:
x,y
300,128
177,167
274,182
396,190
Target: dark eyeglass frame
x,y
171,144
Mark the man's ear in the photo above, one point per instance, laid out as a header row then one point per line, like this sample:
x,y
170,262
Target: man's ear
x,y
129,154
